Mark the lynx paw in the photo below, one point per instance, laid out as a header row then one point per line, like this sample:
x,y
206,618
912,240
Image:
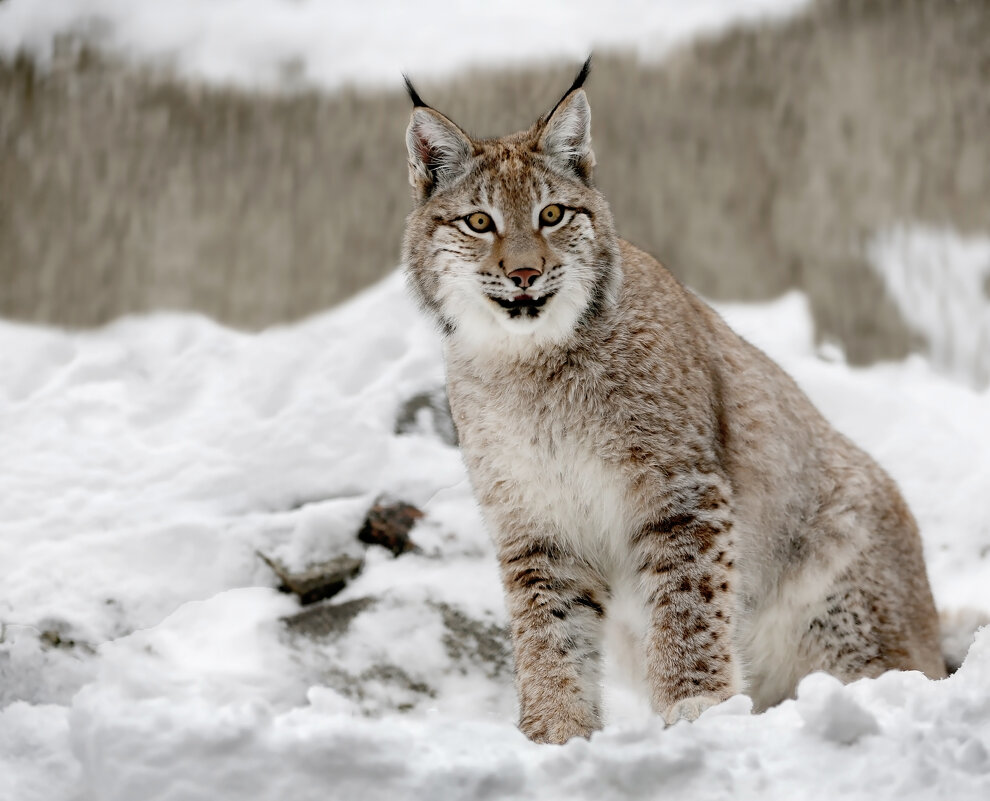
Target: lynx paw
x,y
688,708
556,732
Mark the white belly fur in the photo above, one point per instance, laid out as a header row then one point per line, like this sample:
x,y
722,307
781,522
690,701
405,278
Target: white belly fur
x,y
584,500
770,636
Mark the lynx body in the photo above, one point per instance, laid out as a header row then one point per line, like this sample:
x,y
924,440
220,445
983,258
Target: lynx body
x,y
623,441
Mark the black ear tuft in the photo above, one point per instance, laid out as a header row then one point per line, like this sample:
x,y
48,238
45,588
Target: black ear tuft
x,y
413,94
582,76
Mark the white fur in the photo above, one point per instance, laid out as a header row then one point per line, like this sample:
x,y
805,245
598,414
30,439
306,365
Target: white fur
x,y
485,330
770,641
570,485
688,708
770,635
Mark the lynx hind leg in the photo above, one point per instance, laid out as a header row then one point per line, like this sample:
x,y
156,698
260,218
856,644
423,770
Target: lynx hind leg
x,y
556,610
685,565
879,614
859,631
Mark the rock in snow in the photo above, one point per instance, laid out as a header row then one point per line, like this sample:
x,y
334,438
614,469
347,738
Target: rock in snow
x,y
317,582
388,525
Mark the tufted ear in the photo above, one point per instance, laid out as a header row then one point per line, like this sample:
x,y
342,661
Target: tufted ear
x,y
439,151
566,136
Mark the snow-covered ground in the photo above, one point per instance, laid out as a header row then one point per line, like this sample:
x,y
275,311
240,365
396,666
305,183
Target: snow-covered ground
x,y
143,654
273,43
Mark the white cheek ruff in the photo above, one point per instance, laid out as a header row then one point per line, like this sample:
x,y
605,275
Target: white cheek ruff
x,y
484,326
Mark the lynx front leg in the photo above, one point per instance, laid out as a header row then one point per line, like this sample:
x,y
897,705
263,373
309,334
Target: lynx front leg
x,y
556,609
686,569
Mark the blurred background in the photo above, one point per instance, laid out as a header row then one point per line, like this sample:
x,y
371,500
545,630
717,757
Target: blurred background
x,y
245,158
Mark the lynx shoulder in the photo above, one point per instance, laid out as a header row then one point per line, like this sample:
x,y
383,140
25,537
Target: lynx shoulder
x,y
628,449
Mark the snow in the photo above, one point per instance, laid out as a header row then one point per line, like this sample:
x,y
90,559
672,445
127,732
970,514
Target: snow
x,y
277,43
941,283
143,653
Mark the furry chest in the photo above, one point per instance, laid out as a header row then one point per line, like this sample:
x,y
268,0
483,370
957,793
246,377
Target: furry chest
x,y
558,476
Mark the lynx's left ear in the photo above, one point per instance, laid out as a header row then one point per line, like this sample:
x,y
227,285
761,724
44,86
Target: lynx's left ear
x,y
566,136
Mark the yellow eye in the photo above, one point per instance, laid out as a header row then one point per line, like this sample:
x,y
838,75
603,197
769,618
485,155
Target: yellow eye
x,y
551,215
480,222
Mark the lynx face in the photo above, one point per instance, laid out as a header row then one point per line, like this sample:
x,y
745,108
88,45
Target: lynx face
x,y
510,246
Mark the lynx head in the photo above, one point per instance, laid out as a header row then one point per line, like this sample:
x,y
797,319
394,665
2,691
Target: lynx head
x,y
509,246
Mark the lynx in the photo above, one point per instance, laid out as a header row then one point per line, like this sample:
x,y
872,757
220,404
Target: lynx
x,y
628,448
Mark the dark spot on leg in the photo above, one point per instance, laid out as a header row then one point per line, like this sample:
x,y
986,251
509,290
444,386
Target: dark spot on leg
x,y
533,550
705,537
588,601
670,525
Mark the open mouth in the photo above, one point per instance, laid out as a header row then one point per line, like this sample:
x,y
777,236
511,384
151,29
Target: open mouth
x,y
523,305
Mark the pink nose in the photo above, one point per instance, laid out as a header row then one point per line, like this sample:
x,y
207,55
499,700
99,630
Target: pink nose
x,y
524,276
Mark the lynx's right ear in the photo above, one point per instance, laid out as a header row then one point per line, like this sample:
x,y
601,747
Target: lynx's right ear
x,y
439,151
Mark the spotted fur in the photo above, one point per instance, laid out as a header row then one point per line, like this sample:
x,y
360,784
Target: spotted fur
x,y
621,439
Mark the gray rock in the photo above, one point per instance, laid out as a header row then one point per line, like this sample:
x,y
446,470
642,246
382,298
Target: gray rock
x,y
319,581
466,639
388,525
327,620
428,413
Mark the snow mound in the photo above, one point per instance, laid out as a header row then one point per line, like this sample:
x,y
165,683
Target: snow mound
x,y
913,738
